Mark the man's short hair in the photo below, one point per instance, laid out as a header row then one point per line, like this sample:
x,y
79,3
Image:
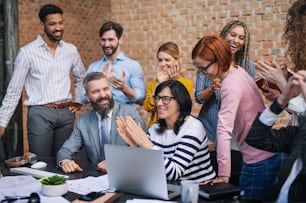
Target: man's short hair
x,y
92,76
48,9
111,26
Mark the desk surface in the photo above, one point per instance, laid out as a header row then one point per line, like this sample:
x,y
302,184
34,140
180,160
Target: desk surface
x,y
89,170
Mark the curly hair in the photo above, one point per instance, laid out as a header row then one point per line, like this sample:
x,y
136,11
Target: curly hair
x,y
242,56
295,34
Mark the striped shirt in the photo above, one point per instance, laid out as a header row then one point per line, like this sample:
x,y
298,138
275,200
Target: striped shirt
x,y
186,154
45,75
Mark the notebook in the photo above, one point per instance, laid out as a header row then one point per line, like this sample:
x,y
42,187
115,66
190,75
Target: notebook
x,y
217,191
138,171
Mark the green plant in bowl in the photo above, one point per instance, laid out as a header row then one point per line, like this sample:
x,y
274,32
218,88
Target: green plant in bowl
x,y
54,185
53,180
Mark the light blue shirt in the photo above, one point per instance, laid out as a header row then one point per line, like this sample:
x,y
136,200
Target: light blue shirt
x,y
134,77
209,111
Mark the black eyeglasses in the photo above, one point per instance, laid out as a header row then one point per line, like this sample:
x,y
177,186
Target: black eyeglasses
x,y
203,69
165,99
33,198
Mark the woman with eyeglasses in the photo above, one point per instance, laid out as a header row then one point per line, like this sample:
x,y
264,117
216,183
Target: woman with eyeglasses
x,y
237,36
168,68
181,136
207,92
241,102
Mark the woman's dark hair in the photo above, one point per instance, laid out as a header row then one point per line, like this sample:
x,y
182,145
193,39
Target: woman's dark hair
x,y
182,97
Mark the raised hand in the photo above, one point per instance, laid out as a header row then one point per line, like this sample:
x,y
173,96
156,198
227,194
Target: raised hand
x,y
161,74
118,83
137,134
271,71
174,72
121,129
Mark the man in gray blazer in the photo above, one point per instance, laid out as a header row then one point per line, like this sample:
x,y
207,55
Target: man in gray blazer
x,y
96,127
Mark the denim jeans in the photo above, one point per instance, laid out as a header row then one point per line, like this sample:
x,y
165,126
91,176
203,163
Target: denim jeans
x,y
258,179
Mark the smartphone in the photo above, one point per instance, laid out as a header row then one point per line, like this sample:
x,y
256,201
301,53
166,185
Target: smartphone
x,y
91,196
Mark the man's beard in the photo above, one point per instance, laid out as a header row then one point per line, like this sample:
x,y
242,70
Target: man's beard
x,y
103,110
54,38
114,49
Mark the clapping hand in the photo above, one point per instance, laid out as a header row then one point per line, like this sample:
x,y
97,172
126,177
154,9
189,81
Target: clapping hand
x,y
161,74
117,82
271,71
121,129
174,72
132,132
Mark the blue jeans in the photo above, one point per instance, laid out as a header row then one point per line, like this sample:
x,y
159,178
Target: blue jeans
x,y
258,179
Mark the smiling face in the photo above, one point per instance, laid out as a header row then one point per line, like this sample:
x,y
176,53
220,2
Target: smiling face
x,y
110,43
54,27
100,96
165,60
235,38
171,111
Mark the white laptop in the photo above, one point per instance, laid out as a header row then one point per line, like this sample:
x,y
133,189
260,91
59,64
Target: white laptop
x,y
138,171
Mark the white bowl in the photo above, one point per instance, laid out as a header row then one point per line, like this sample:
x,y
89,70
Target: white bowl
x,y
55,190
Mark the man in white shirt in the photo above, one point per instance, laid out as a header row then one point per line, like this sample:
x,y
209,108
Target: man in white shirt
x,y
43,67
290,140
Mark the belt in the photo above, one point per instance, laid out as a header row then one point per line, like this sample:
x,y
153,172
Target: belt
x,y
62,105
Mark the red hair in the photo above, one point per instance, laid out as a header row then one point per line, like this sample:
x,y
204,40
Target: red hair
x,y
212,47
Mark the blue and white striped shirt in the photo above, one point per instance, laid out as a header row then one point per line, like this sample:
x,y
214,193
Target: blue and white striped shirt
x,y
45,75
186,154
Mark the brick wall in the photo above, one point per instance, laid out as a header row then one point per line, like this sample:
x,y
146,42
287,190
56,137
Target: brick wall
x,y
149,23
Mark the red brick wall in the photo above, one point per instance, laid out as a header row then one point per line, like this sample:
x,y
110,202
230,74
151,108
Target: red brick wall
x,y
148,23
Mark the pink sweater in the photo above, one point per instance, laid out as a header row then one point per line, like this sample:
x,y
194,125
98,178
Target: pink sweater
x,y
240,103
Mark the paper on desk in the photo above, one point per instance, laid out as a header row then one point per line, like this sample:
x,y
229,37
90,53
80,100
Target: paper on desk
x,y
89,184
23,186
147,201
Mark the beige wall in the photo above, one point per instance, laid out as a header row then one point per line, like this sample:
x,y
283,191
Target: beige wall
x,y
148,23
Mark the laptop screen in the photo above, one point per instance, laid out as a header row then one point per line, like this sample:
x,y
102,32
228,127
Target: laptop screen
x,y
137,171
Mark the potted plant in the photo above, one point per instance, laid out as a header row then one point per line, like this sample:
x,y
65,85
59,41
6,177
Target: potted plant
x,y
54,186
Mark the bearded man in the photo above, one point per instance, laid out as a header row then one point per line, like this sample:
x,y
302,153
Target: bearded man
x,y
97,127
125,74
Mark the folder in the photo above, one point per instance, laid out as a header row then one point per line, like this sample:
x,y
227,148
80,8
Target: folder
x,y
217,191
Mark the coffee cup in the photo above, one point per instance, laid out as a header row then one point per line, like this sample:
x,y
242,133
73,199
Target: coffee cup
x,y
189,191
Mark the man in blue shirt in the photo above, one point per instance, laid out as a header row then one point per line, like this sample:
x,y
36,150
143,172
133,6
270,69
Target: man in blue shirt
x,y
125,74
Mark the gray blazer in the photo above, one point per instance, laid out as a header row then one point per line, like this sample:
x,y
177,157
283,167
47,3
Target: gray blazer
x,y
86,133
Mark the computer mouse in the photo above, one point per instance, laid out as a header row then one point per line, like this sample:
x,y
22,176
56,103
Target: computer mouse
x,y
39,164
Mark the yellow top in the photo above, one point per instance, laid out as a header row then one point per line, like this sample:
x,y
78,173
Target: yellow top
x,y
149,104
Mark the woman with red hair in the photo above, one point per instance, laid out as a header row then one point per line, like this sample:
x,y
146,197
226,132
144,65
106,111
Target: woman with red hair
x,y
240,103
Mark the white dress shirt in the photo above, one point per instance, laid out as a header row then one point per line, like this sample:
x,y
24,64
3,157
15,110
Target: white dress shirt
x,y
45,75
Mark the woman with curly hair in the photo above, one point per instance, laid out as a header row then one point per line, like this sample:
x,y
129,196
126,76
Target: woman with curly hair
x,y
295,38
207,93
